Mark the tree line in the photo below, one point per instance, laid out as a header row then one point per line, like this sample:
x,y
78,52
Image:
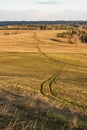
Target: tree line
x,y
74,33
36,27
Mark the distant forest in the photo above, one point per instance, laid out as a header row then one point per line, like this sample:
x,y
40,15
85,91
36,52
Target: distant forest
x,y
3,23
41,25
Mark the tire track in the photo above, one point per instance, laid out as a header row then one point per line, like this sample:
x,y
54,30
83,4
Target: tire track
x,y
47,81
55,76
51,80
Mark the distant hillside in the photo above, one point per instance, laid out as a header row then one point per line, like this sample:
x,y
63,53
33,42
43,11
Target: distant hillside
x,y
4,23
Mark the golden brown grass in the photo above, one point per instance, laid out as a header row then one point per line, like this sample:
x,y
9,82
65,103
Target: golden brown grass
x,y
24,42
23,69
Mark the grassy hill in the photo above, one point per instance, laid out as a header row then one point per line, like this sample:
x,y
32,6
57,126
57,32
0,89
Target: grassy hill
x,y
43,82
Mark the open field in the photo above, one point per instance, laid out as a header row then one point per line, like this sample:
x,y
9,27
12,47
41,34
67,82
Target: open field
x,y
43,82
24,41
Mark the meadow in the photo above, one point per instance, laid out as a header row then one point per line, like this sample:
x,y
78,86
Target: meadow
x,y
43,81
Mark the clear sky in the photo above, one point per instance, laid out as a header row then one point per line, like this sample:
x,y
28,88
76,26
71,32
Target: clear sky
x,y
43,10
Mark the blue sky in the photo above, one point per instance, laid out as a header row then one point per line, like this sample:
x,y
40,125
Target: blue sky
x,y
43,10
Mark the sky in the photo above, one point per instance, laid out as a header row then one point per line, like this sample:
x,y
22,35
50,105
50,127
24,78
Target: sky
x,y
34,10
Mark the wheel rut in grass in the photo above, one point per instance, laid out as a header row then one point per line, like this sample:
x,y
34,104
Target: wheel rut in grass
x,y
51,80
55,76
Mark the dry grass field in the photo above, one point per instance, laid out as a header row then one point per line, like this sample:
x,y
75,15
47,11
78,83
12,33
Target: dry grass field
x,y
43,82
23,41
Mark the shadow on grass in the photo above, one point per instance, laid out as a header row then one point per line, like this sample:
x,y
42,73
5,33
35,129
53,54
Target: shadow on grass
x,y
57,40
37,113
